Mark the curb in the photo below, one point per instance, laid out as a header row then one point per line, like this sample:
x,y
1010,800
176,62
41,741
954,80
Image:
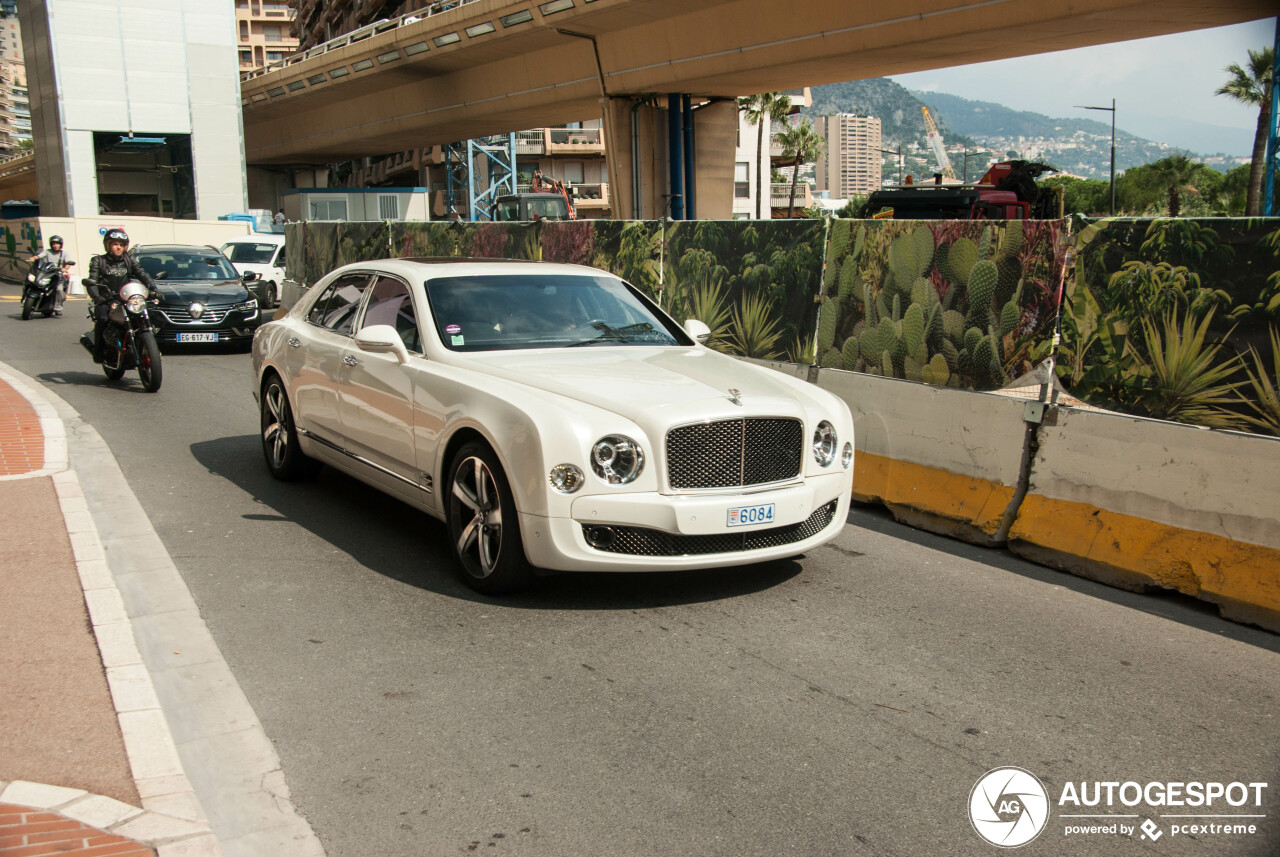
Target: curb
x,y
164,667
171,818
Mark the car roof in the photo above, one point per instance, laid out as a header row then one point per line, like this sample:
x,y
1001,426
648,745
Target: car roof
x,y
176,248
430,266
256,238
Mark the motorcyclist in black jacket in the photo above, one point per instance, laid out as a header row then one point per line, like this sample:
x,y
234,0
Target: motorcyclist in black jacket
x,y
107,273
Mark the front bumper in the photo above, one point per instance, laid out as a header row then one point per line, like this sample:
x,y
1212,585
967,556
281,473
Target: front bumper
x,y
235,326
655,532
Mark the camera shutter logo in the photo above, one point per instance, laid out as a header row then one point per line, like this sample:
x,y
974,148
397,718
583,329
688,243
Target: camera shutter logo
x,y
1008,807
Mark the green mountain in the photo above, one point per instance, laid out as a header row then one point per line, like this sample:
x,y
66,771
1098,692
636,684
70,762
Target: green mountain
x,y
1079,146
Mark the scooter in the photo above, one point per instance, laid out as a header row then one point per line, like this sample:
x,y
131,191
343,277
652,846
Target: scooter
x,y
40,292
129,341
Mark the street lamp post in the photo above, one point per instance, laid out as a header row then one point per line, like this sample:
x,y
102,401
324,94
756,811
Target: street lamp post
x,y
967,156
1112,108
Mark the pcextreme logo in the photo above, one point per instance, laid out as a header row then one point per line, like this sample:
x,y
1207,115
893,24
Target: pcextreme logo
x,y
1010,807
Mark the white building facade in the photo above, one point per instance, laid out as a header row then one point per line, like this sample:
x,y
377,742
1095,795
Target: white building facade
x,y
135,107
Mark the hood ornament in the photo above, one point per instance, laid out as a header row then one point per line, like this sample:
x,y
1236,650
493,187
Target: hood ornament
x,y
735,396
197,309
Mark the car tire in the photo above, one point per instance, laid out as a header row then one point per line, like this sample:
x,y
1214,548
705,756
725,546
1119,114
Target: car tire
x,y
285,458
273,297
484,526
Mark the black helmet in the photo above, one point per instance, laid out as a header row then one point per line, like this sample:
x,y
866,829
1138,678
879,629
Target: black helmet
x,y
55,239
115,234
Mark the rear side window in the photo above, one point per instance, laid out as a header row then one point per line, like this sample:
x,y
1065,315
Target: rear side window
x,y
335,309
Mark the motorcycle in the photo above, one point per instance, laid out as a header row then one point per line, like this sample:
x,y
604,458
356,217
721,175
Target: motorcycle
x,y
129,341
40,292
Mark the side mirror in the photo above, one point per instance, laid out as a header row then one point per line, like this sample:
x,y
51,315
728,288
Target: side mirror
x,y
382,339
249,276
698,330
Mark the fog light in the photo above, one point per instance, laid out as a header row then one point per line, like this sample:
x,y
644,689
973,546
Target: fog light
x,y
846,456
566,478
601,537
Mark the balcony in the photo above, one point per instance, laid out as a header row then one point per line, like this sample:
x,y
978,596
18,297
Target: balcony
x,y
575,141
590,197
780,195
531,142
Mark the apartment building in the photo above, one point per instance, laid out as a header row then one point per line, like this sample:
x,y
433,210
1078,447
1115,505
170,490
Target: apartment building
x,y
15,103
851,164
319,21
264,32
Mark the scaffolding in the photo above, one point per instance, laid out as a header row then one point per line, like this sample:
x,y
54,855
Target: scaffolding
x,y
478,172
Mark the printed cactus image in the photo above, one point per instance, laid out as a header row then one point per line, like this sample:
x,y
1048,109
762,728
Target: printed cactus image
x,y
959,304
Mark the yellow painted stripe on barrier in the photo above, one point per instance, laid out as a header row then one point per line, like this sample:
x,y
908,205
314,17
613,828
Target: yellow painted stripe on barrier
x,y
1111,546
962,499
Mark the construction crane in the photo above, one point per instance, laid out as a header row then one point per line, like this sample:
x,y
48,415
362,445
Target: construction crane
x,y
935,140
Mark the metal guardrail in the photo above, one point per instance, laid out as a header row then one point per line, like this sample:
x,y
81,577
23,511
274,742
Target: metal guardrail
x,y
359,34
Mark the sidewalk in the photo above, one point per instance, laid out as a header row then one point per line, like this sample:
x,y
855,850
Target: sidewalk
x,y
87,764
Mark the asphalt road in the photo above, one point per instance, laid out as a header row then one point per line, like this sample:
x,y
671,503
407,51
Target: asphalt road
x,y
845,703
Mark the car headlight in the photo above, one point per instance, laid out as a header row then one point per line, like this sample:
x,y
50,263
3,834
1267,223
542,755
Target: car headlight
x,y
617,459
824,443
565,478
136,304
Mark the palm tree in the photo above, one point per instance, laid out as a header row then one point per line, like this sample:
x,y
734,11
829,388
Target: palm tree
x,y
1253,86
1176,171
801,143
763,109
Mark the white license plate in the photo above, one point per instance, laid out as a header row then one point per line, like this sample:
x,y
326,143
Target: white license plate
x,y
746,516
197,337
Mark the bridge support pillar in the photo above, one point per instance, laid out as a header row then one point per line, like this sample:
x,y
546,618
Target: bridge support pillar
x,y
636,140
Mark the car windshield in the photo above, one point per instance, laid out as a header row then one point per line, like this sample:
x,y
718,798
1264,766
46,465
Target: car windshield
x,y
166,264
248,253
501,312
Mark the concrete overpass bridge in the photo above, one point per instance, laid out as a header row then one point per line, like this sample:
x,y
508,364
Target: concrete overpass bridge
x,y
491,66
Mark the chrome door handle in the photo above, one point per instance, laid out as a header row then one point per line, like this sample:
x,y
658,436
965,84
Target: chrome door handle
x,y
350,361
293,342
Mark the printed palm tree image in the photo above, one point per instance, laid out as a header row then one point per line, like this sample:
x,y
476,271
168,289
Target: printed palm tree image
x,y
1252,86
761,110
800,144
1175,172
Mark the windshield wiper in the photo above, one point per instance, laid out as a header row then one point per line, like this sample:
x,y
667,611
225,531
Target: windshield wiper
x,y
610,334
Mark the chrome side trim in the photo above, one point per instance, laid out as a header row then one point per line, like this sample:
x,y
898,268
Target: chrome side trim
x,y
426,489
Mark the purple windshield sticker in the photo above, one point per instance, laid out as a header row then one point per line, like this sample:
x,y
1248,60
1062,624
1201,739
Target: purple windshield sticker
x,y
453,328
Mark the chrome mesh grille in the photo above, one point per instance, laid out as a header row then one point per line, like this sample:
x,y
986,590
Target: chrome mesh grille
x,y
640,541
734,453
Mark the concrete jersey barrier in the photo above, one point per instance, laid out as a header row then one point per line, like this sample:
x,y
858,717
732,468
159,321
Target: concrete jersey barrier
x,y
1138,503
940,459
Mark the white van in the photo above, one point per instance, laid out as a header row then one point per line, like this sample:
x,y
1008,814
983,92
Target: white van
x,y
263,254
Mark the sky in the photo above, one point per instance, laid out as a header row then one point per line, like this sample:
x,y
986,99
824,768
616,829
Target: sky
x,y
1163,86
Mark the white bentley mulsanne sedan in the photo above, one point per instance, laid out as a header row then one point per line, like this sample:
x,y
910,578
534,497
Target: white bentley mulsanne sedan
x,y
553,416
